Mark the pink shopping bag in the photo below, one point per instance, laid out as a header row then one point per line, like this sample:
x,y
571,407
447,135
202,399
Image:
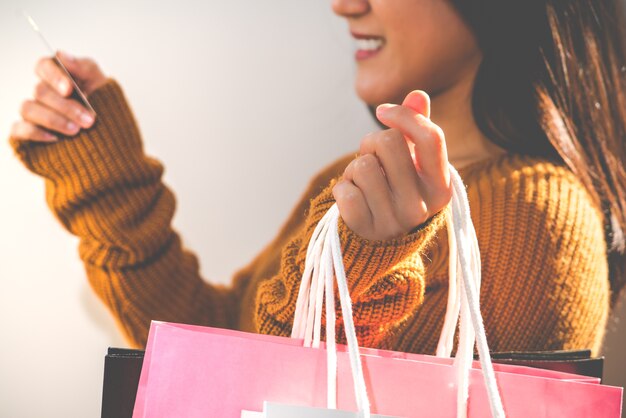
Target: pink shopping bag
x,y
192,371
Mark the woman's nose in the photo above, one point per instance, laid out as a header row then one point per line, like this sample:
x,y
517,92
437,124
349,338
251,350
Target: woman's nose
x,y
350,8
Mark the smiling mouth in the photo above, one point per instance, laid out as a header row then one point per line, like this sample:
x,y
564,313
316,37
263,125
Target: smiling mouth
x,y
367,47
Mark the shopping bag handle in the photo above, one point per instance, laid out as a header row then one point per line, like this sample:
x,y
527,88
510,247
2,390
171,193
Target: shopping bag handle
x,y
466,265
324,263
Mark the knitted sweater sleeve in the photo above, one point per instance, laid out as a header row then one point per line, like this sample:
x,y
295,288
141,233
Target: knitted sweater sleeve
x,y
104,189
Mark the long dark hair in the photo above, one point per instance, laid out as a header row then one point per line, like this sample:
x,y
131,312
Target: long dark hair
x,y
552,83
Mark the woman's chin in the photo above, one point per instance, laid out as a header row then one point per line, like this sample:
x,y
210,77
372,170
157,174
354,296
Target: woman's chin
x,y
372,95
377,90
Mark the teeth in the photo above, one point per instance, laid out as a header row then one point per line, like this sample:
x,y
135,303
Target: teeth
x,y
369,44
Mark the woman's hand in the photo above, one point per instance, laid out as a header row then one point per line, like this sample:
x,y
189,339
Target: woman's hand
x,y
401,177
51,110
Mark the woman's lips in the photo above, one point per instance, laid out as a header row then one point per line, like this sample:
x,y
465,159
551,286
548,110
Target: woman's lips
x,y
361,54
367,46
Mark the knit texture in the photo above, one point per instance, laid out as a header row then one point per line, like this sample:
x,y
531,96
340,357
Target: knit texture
x,y
545,274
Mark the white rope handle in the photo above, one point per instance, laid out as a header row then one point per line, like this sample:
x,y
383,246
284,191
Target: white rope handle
x,y
453,309
304,316
360,389
324,262
323,265
463,297
467,244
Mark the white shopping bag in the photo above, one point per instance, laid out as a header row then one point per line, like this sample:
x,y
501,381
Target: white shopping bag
x,y
275,410
251,414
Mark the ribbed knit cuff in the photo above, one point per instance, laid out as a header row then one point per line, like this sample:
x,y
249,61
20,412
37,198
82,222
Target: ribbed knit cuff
x,y
109,151
367,260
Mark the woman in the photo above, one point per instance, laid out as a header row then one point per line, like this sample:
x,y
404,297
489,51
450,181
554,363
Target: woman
x,y
527,102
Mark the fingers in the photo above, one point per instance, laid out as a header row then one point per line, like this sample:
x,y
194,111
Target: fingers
x,y
84,70
419,101
428,138
49,72
52,110
38,114
393,152
352,205
70,109
405,186
367,175
23,130
401,178
378,219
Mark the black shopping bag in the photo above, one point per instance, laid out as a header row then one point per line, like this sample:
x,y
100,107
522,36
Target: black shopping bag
x,y
122,368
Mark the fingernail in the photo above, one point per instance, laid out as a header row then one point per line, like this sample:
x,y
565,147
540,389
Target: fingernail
x,y
384,108
86,119
50,137
71,126
63,86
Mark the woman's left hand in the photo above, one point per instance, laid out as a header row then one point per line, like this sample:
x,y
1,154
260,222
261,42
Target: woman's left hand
x,y
401,177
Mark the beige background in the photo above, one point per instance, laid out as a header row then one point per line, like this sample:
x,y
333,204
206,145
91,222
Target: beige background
x,y
242,100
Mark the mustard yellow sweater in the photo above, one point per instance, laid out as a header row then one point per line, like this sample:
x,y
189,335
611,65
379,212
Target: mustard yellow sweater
x,y
545,274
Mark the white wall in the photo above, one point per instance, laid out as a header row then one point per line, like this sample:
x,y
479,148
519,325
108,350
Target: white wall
x,y
259,90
